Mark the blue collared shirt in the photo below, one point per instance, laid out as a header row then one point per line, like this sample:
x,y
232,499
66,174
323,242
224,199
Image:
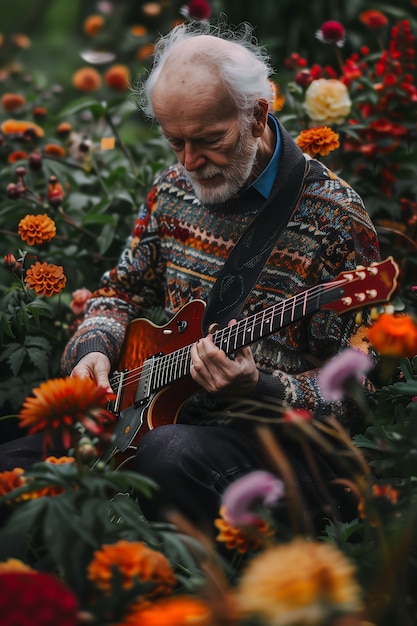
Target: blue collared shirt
x,y
263,184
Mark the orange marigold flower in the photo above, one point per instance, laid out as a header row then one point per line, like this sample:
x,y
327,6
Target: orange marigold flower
x,y
20,40
36,229
12,101
20,127
14,565
134,561
11,480
373,18
117,77
138,30
47,279
52,149
39,113
93,24
394,335
152,9
278,98
63,129
320,140
86,79
239,539
60,403
175,611
304,582
17,155
145,52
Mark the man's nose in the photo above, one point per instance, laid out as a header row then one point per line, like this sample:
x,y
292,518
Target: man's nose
x,y
193,158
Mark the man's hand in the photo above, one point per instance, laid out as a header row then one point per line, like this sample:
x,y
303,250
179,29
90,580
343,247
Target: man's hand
x,y
96,366
217,373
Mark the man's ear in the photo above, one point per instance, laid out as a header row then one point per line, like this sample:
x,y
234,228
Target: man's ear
x,y
260,117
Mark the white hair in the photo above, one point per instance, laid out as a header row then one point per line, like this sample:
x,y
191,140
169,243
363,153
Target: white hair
x,y
246,75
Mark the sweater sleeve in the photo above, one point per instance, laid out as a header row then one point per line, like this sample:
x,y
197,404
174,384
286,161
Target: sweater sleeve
x,y
127,291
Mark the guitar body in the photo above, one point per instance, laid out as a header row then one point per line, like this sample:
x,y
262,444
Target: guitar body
x,y
145,339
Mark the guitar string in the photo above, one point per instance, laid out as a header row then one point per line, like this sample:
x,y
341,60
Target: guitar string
x,y
181,356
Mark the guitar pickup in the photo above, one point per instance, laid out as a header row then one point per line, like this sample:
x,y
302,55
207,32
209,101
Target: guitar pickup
x,y
144,388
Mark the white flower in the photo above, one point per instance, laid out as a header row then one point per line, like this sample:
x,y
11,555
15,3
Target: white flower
x,y
327,101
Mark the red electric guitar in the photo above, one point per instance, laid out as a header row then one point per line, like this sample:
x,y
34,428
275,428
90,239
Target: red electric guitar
x,y
154,378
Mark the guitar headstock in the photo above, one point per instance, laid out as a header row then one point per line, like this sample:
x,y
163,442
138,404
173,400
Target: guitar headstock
x,y
365,286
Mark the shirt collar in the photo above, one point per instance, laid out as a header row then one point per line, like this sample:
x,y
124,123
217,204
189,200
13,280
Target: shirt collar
x,y
263,183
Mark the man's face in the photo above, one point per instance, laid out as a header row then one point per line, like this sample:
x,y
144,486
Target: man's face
x,y
215,147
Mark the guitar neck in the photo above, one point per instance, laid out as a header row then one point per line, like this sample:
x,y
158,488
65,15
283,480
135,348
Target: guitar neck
x,y
167,369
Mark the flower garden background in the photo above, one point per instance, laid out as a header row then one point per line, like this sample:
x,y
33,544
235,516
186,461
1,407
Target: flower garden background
x,y
76,159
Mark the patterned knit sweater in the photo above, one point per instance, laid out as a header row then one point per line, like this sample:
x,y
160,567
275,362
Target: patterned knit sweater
x,y
177,248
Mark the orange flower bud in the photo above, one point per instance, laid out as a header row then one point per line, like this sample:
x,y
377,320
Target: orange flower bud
x,y
117,77
20,127
93,24
55,191
63,129
52,149
86,79
12,101
17,155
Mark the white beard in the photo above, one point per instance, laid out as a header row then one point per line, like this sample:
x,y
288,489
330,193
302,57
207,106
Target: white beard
x,y
234,176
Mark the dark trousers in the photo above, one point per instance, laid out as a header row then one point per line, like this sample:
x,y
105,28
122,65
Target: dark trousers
x,y
192,466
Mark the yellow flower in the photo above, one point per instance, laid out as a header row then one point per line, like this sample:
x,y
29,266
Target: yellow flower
x,y
320,140
239,539
327,101
14,565
175,611
394,335
60,403
45,278
301,582
135,561
36,229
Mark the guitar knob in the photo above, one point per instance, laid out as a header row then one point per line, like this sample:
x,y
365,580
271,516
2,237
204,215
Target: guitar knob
x,y
360,297
373,270
347,300
372,293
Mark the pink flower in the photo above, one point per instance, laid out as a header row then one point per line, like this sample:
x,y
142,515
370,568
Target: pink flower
x,y
79,301
349,365
258,487
196,10
332,32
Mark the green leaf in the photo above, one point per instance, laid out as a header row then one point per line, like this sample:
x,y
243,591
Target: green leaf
x,y
5,327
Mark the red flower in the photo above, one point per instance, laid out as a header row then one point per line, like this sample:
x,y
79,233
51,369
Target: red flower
x,y
197,10
332,32
373,18
36,599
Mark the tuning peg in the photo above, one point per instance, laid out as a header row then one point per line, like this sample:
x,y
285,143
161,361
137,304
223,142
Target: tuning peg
x,y
374,313
358,317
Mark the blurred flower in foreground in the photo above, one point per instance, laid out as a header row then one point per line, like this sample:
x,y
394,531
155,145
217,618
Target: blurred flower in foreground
x,y
79,300
86,79
36,599
175,611
36,229
245,494
327,101
241,539
59,404
332,32
47,279
394,335
301,582
336,375
135,562
11,480
14,565
320,140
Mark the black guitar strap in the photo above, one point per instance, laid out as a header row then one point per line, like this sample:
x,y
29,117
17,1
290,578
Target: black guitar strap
x,y
247,258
